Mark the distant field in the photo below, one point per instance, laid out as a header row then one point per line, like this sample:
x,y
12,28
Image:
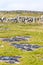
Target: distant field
x,y
20,29
13,14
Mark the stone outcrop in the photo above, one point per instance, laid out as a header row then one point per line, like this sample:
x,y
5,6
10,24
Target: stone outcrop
x,y
24,19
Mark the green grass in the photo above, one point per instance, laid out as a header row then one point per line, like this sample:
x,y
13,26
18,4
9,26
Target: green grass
x,y
20,29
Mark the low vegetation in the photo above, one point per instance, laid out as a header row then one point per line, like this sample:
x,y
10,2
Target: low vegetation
x,y
20,29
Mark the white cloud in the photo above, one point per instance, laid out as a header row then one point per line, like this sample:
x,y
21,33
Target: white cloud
x,y
21,5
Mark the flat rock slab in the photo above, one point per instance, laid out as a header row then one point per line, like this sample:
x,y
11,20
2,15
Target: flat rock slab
x,y
4,29
41,59
8,59
17,38
27,47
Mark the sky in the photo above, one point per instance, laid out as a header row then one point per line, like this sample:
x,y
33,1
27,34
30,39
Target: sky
x,y
31,5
